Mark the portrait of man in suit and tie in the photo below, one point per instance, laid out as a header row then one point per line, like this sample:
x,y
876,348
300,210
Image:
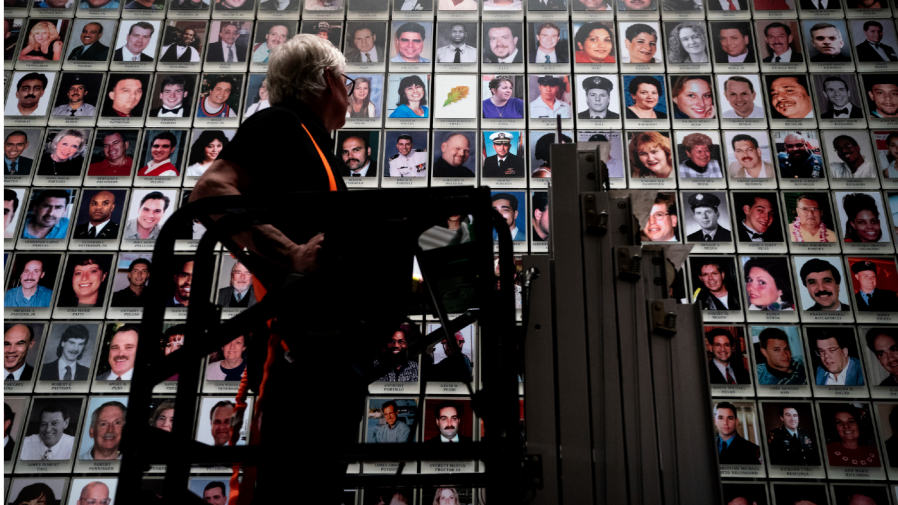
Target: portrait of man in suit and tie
x,y
365,42
230,46
706,209
733,448
872,48
839,98
816,5
450,422
14,147
140,37
758,216
9,443
20,346
733,43
73,348
783,45
549,45
726,365
239,292
547,5
359,159
91,48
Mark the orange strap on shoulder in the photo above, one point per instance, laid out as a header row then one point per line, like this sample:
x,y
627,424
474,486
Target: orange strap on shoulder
x,y
327,166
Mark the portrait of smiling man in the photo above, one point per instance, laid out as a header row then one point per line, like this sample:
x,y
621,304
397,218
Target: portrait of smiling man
x,y
230,47
734,42
122,352
172,94
50,443
503,43
78,90
839,95
91,49
739,92
409,44
29,292
181,49
779,38
217,90
277,34
823,280
661,224
18,341
140,34
789,96
150,212
105,429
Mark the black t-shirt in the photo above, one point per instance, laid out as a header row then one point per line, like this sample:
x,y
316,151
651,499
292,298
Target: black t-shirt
x,y
280,157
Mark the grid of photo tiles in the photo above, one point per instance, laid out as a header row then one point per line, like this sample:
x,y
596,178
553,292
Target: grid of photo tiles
x,y
767,131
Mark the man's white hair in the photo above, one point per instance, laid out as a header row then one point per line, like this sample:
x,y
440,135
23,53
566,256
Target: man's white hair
x,y
296,69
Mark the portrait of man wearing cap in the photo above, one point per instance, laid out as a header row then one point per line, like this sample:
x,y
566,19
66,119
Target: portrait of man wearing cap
x,y
503,163
705,211
408,162
868,297
548,104
74,94
598,98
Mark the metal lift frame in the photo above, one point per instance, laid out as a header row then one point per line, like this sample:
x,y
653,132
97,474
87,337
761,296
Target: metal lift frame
x,y
508,471
628,379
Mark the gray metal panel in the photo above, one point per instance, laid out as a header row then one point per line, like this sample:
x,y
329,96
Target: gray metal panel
x,y
604,372
539,380
575,443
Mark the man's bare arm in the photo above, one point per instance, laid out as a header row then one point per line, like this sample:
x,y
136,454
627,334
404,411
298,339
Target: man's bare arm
x,y
227,178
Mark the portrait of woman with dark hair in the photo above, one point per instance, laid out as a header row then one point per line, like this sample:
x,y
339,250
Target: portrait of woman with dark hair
x,y
35,493
767,284
412,98
646,93
849,436
503,104
205,150
594,44
863,223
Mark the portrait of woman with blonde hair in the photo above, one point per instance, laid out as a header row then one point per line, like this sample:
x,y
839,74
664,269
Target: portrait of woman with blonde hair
x,y
650,156
44,43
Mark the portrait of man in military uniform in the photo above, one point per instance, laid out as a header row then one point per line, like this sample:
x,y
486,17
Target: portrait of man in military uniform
x,y
794,441
504,163
409,161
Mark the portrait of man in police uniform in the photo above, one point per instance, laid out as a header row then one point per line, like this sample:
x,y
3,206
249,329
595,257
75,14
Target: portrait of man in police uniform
x,y
704,208
793,442
869,297
410,161
504,163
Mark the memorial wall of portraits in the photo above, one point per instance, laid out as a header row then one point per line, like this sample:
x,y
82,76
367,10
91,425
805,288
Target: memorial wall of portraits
x,y
765,130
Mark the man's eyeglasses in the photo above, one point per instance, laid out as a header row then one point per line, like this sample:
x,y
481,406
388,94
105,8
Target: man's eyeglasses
x,y
350,84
